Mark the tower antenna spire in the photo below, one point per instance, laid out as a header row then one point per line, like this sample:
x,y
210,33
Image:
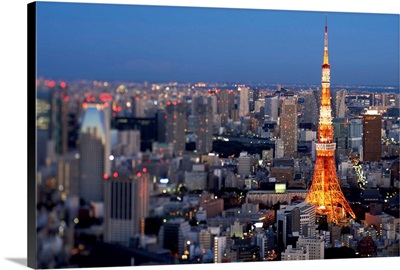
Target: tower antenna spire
x,y
326,58
326,22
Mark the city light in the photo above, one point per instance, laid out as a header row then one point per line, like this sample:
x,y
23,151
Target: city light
x,y
209,172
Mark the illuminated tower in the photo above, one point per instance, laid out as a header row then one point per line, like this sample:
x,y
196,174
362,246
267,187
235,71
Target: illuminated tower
x,y
325,192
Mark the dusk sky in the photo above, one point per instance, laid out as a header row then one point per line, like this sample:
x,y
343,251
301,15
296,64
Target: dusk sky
x,y
163,44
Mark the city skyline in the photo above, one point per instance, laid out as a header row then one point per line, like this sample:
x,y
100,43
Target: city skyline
x,y
147,43
91,83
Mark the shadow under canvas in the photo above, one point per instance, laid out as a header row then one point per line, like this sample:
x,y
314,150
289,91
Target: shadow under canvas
x,y
20,261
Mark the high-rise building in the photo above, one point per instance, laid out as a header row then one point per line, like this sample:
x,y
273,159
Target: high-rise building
x,y
161,126
43,126
325,192
340,105
176,125
147,127
244,100
68,174
59,118
128,143
288,125
205,239
94,150
279,148
173,235
219,248
272,107
126,206
354,128
340,133
244,164
204,128
138,106
308,108
372,126
225,104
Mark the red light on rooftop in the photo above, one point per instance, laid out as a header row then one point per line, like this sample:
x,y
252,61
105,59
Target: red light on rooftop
x,y
51,84
138,174
63,85
144,169
115,174
169,103
105,176
66,98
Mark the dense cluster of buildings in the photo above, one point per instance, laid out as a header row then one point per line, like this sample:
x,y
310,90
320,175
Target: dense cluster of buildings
x,y
138,167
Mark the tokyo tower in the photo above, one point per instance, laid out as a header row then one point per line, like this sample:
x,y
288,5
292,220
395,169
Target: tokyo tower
x,y
325,192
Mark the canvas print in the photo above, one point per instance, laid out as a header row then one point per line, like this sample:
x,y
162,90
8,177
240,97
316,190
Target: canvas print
x,y
166,135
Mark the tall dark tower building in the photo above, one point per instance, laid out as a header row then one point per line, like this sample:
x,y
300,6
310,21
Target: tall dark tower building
x,y
225,104
59,118
204,124
176,125
289,125
325,192
161,126
372,123
43,125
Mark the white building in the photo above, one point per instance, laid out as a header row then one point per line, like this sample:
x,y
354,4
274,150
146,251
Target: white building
x,y
125,208
295,254
219,248
316,246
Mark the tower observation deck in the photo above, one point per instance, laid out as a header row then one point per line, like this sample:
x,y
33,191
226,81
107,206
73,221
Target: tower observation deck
x,y
325,192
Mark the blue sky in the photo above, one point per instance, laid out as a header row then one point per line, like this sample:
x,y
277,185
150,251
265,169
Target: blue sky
x,y
161,44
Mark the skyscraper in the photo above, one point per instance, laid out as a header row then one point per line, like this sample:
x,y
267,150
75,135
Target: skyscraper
x,y
354,133
244,100
372,123
173,235
219,248
340,106
204,127
225,104
94,150
289,126
59,118
126,206
176,125
271,107
340,135
325,192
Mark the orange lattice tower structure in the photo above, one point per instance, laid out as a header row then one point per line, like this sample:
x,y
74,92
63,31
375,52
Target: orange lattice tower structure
x,y
325,192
